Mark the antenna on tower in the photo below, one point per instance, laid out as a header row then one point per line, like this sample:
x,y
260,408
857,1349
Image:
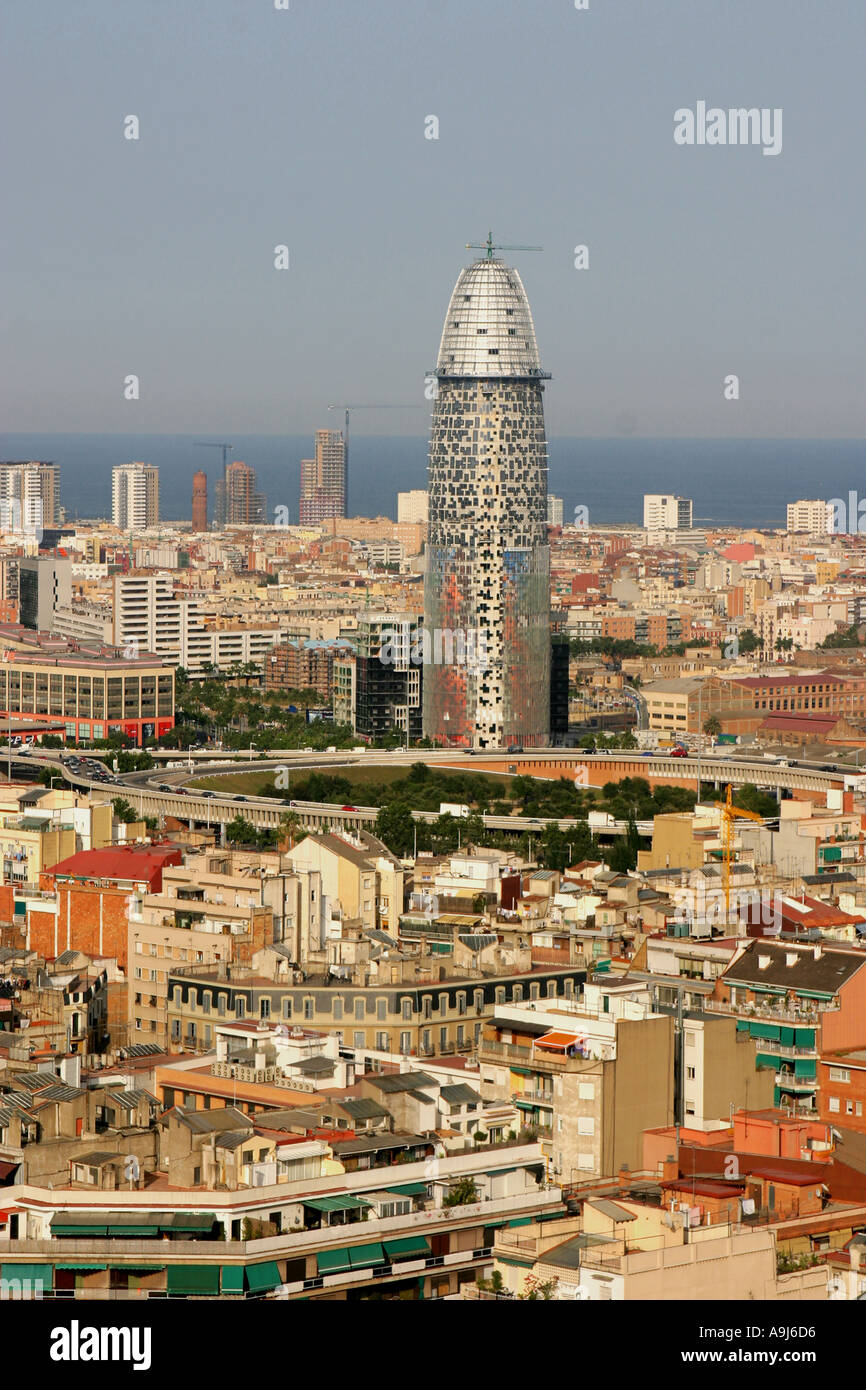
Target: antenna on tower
x,y
490,246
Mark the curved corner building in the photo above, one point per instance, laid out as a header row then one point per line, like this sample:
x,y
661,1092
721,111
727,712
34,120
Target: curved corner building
x,y
487,580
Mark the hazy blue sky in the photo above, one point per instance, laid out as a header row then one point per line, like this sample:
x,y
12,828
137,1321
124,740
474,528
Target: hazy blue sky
x,y
306,127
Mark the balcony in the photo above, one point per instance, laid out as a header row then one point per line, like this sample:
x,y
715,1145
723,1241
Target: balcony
x,y
789,1082
535,1097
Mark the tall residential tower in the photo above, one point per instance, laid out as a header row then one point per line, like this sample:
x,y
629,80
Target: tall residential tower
x,y
487,581
323,479
135,496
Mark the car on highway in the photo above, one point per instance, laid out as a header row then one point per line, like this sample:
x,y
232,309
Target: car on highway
x,y
207,793
350,808
239,798
678,753
164,787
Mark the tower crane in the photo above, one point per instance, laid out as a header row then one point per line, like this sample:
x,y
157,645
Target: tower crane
x,y
730,813
348,409
227,449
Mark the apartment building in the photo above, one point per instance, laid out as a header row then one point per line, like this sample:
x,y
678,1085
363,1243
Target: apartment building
x,y
413,507
304,665
29,496
209,911
796,1002
44,586
432,1014
361,881
811,516
135,496
588,1074
663,512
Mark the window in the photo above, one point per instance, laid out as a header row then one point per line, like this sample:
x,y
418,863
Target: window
x,y
264,1008
240,1008
834,1105
383,1042
287,1008
338,1009
849,1107
840,1074
382,1010
406,1009
359,1010
690,1073
308,1008
405,1042
586,1090
359,1040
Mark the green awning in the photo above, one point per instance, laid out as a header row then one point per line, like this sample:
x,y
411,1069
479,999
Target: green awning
x,y
521,1221
409,1189
805,1068
524,1105
233,1278
333,1261
81,1267
520,1071
765,1062
805,1037
765,1030
262,1278
66,1228
39,1277
188,1221
193,1279
345,1203
786,1036
406,1247
364,1256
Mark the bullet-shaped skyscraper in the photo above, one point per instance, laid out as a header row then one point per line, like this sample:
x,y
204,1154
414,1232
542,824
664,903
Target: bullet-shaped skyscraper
x,y
487,582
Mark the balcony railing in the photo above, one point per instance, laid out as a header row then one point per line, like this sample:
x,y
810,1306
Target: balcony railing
x,y
790,1082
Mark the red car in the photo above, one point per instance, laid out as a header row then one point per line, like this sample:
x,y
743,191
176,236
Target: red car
x,y
350,808
679,753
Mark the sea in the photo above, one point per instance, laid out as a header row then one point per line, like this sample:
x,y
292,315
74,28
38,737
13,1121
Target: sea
x,y
733,482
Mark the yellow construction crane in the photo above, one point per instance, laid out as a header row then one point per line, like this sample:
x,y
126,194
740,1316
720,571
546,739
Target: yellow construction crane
x,y
730,813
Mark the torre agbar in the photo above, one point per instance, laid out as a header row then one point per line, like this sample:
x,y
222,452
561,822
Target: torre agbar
x,y
487,581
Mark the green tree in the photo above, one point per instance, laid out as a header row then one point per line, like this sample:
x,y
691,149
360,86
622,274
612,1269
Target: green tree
x,y
395,826
462,1194
712,727
123,811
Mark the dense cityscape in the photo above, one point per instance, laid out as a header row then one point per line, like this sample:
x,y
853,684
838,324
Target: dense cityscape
x,y
522,856
432,676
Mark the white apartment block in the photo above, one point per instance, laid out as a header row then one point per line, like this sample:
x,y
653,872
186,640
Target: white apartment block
x,y
135,496
663,512
412,506
554,510
149,613
810,516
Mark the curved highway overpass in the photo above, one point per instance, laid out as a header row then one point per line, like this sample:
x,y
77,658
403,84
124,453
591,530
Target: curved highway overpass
x,y
212,809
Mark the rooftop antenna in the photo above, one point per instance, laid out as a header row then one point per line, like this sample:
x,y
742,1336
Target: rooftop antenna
x,y
490,246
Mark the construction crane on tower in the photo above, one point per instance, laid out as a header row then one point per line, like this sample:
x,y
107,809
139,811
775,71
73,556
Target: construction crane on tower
x,y
348,409
730,813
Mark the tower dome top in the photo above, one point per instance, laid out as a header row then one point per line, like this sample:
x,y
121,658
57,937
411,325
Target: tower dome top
x,y
488,329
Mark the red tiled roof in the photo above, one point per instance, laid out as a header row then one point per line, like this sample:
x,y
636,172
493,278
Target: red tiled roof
x,y
128,863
